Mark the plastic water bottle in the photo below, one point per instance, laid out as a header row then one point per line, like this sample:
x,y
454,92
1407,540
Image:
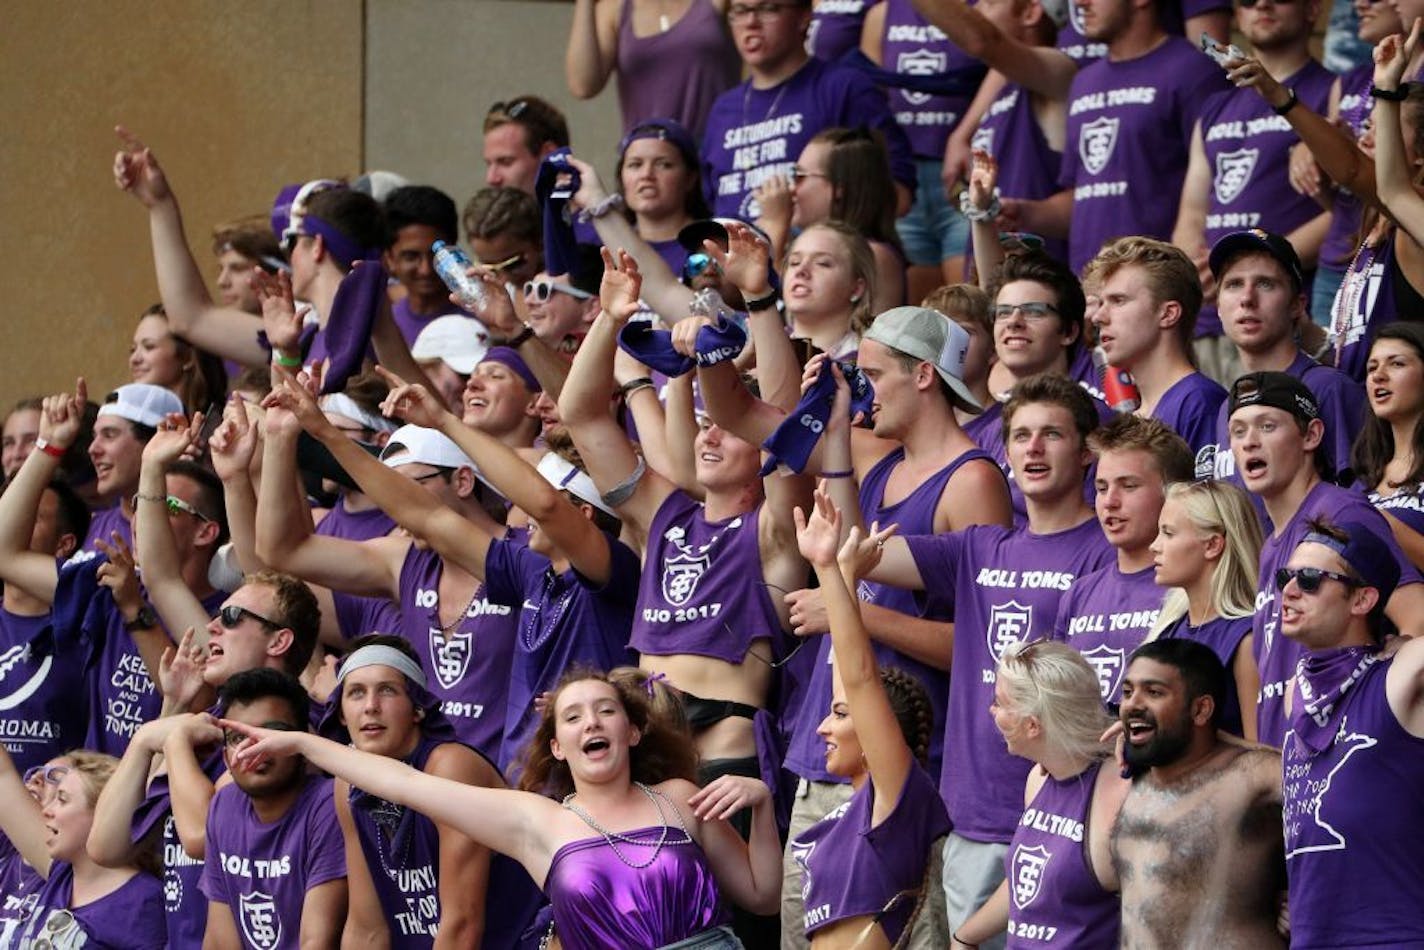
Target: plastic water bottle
x,y
708,303
451,264
1119,389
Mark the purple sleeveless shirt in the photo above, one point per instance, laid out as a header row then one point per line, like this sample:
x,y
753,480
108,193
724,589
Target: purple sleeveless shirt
x,y
1276,657
564,621
600,902
470,665
910,45
677,74
1354,109
1007,586
1105,616
915,515
836,27
1129,130
701,590
849,869
1055,899
127,918
1354,839
1028,165
355,526
40,676
1224,635
402,849
1189,407
263,871
1367,299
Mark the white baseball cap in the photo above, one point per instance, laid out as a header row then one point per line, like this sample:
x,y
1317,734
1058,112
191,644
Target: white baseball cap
x,y
143,403
461,342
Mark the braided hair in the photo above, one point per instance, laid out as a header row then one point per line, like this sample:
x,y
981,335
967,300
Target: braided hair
x,y
911,705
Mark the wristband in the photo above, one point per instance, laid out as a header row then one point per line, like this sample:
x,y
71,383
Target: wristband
x,y
291,362
955,938
621,492
635,384
838,474
763,303
968,209
520,338
1288,105
49,448
601,209
1390,95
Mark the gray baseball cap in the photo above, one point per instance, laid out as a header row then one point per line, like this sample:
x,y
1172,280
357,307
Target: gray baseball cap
x,y
927,335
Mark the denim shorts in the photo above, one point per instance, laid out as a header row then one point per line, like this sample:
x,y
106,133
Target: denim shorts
x,y
933,230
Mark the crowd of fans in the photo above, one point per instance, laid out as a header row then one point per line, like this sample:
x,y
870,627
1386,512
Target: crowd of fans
x,y
961,486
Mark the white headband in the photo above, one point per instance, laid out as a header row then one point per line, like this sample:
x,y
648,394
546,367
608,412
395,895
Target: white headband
x,y
565,476
379,654
344,405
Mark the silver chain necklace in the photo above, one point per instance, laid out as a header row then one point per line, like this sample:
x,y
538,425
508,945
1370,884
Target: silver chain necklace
x,y
613,837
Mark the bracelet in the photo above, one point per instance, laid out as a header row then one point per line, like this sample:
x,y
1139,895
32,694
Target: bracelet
x,y
635,384
1288,105
845,474
520,338
49,448
763,303
140,496
1390,95
601,209
289,361
967,208
955,938
621,492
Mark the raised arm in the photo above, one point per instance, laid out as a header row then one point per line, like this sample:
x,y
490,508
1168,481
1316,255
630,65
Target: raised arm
x,y
233,445
592,53
153,535
60,419
1393,170
747,264
988,249
190,791
110,842
21,820
584,403
1040,69
191,313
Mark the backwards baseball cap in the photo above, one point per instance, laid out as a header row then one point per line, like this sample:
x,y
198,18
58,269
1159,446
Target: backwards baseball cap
x,y
565,476
410,444
1261,241
666,130
715,229
927,335
1366,552
1277,390
461,342
143,403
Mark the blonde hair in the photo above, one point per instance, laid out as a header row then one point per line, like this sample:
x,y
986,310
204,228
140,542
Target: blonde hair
x,y
1220,508
1171,275
963,303
862,267
1053,683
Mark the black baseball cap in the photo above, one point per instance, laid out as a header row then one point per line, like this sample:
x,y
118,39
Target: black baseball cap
x,y
1257,240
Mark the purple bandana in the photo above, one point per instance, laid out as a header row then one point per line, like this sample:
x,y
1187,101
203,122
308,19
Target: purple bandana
x,y
348,329
790,446
653,348
1321,680
556,184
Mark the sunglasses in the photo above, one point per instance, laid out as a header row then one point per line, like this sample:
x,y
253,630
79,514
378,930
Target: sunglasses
x,y
514,108
60,924
509,263
1309,579
1020,241
177,506
542,289
1033,310
799,174
232,737
741,12
231,616
697,264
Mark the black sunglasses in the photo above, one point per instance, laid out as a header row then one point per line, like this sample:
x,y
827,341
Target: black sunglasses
x,y
231,616
513,108
1309,579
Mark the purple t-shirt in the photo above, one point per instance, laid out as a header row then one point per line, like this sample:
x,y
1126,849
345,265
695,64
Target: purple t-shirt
x,y
262,872
1224,635
1105,616
470,665
354,525
911,45
411,323
1172,15
1354,841
851,869
128,918
565,620
754,134
20,887
41,673
1189,407
1276,657
1129,134
1028,165
835,27
1055,899
1342,407
103,523
1007,586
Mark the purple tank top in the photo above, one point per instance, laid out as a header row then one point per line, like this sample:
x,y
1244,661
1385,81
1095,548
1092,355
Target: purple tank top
x,y
702,591
1055,899
915,515
910,45
601,902
1224,636
402,849
355,526
1105,616
1028,165
1007,585
471,664
1407,505
1367,299
836,27
40,675
1344,234
1354,839
849,869
677,74
1276,657
1129,130
127,918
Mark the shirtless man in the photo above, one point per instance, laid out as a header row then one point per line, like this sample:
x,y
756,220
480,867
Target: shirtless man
x,y
1197,845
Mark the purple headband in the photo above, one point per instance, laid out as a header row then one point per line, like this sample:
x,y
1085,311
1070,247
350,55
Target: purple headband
x,y
342,248
508,357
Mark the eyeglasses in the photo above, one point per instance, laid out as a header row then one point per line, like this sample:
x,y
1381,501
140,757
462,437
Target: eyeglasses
x,y
232,737
699,263
799,174
542,289
231,616
1309,579
740,12
52,774
514,108
177,506
1033,310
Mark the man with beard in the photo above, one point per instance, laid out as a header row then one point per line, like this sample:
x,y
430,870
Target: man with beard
x,y
275,872
1197,846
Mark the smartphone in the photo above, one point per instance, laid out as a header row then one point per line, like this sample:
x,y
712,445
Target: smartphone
x,y
1210,47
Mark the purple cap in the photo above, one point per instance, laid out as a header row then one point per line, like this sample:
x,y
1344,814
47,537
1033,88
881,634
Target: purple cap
x,y
1367,554
509,357
667,130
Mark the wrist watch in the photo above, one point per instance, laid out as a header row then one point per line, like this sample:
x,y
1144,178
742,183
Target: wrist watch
x,y
146,619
